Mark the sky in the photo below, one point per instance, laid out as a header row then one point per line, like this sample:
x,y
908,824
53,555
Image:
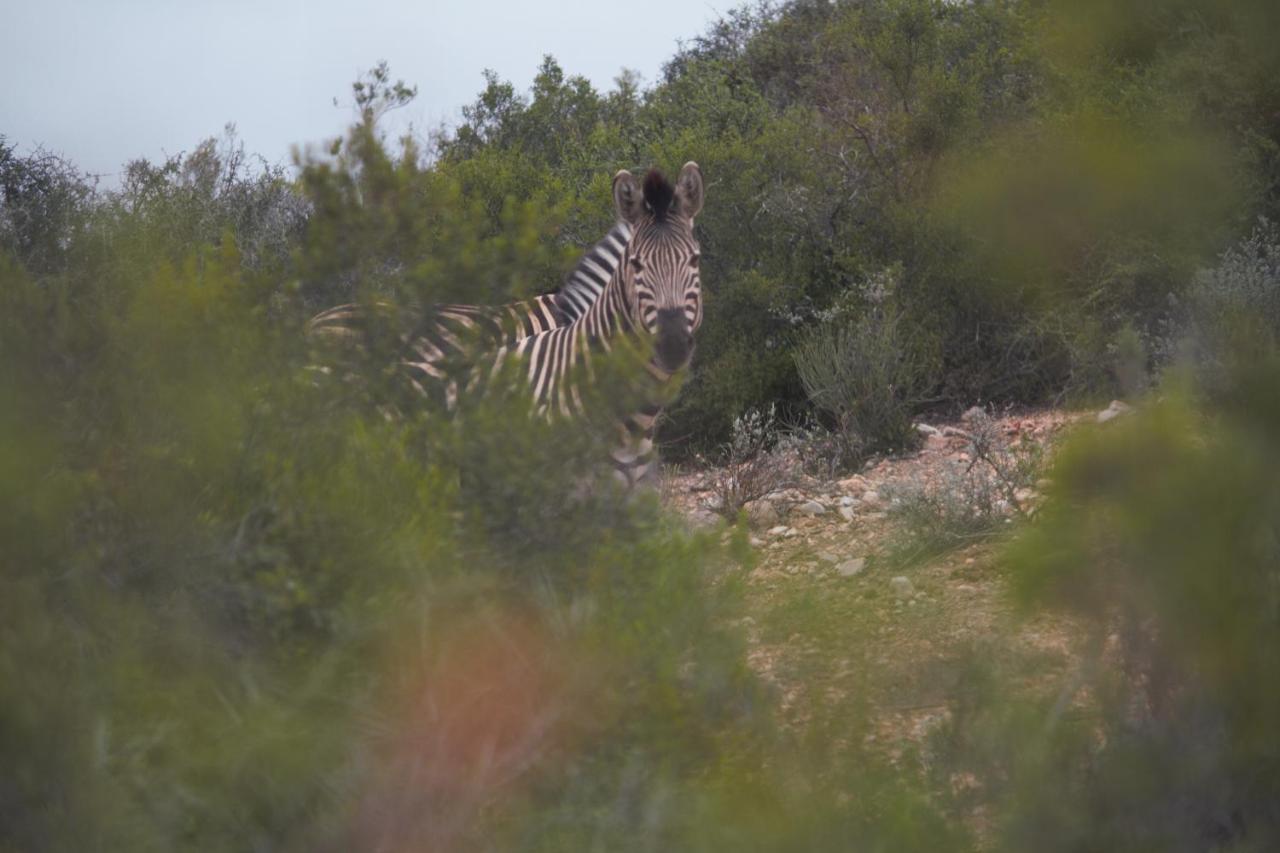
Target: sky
x,y
102,82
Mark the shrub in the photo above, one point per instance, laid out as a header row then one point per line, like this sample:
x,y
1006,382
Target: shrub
x,y
753,463
1231,312
1158,540
868,376
971,500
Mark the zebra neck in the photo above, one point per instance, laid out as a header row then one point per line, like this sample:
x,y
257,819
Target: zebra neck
x,y
592,274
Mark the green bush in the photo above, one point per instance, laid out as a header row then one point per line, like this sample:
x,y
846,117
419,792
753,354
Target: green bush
x,y
1159,540
869,376
1230,315
248,606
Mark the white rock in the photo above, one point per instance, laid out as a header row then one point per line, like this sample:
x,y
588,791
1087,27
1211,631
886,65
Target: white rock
x,y
846,512
973,413
925,429
791,533
703,518
845,500
778,530
1115,410
901,586
761,514
849,568
756,541
810,508
871,497
828,557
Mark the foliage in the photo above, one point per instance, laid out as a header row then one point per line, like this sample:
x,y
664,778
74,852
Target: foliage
x,y
1159,539
972,500
1231,313
753,464
44,201
869,376
244,608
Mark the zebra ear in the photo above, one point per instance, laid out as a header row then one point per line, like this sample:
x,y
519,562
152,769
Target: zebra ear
x,y
689,191
628,198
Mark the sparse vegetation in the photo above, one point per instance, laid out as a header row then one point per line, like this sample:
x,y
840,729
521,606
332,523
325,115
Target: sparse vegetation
x,y
869,377
974,497
248,605
754,463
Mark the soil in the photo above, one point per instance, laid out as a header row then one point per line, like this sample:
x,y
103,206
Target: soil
x,y
859,650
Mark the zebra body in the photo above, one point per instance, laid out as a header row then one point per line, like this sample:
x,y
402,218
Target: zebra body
x,y
637,290
449,334
452,328
652,302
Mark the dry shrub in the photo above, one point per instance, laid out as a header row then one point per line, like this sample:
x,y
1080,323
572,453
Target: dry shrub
x,y
755,462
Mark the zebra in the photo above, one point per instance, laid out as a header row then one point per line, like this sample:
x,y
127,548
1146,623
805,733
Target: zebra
x,y
639,287
653,300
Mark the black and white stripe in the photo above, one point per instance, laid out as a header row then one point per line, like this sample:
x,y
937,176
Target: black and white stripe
x,y
639,288
653,299
445,334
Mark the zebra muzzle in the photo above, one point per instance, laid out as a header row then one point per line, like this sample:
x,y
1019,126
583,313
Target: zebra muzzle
x,y
674,344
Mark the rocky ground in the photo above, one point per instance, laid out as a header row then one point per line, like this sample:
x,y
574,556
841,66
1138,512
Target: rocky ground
x,y
848,623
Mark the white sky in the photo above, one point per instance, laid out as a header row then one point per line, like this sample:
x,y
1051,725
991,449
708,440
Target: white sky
x,y
105,81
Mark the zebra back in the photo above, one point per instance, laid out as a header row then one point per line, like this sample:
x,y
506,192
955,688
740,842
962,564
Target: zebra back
x,y
459,327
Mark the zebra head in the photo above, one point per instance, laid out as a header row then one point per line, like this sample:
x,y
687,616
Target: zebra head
x,y
659,269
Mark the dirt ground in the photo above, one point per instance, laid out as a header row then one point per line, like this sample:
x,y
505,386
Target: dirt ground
x,y
842,626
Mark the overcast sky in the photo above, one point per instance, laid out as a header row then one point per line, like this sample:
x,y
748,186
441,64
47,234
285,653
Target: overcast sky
x,y
105,81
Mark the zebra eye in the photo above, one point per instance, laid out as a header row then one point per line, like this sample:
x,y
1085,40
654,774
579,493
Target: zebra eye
x,y
636,265
693,261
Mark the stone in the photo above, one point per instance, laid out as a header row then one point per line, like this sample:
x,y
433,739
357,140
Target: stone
x,y
828,557
926,430
756,541
845,500
1115,410
791,533
846,512
850,568
871,497
703,518
854,485
715,503
761,514
973,413
901,586
778,530
810,508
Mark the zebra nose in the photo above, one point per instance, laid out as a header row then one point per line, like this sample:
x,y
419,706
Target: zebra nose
x,y
674,344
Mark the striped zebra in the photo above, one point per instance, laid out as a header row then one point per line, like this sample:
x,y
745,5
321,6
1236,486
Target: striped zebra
x,y
638,288
652,303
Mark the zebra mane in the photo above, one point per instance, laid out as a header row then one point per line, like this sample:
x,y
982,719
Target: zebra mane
x,y
589,276
658,194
